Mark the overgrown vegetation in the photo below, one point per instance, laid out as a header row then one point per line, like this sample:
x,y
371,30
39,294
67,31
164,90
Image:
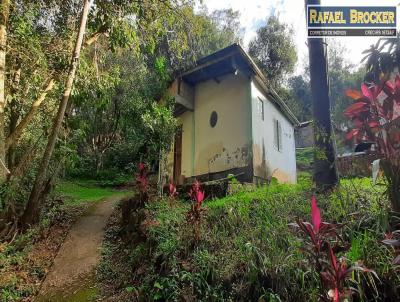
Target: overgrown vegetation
x,y
247,251
26,259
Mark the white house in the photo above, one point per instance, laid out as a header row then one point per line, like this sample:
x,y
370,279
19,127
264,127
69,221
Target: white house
x,y
232,122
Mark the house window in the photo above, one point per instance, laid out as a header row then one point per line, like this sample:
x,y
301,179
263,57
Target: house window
x,y
261,108
277,135
213,119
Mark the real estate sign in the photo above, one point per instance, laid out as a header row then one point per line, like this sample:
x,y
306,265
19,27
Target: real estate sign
x,y
342,21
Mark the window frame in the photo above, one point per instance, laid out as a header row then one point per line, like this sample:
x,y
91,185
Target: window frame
x,y
278,143
260,108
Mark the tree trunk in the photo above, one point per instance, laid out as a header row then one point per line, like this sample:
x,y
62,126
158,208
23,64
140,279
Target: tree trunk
x,y
14,135
4,12
31,214
14,111
325,172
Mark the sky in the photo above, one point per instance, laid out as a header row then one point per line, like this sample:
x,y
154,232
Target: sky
x,y
253,14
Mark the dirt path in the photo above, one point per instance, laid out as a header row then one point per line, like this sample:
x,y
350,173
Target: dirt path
x,y
73,268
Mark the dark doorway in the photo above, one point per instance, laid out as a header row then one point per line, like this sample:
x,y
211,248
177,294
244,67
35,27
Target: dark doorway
x,y
178,156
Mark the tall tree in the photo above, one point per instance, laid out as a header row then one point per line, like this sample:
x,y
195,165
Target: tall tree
x,y
31,213
274,50
227,27
342,75
193,35
37,59
112,19
325,172
128,85
4,12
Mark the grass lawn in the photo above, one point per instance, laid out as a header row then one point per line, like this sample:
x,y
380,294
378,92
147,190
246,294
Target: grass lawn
x,y
81,191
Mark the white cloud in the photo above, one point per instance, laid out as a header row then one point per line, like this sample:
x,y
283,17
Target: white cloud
x,y
255,12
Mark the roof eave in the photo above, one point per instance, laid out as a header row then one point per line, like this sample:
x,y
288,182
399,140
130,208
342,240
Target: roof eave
x,y
261,79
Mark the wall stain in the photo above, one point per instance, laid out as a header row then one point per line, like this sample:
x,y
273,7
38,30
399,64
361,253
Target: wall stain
x,y
216,157
263,170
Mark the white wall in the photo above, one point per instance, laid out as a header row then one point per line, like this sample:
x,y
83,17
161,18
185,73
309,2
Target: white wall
x,y
267,159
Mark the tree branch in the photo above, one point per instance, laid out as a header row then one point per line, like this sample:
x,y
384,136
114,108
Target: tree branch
x,y
92,39
14,137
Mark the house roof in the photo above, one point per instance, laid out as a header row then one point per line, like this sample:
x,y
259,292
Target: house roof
x,y
228,60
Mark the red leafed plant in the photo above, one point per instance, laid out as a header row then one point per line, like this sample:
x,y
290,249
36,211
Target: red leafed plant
x,y
172,193
317,231
142,182
375,116
393,239
195,214
333,273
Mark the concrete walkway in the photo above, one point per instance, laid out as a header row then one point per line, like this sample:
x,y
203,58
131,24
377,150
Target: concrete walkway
x,y
74,265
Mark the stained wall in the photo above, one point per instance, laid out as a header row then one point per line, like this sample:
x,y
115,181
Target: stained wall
x,y
268,160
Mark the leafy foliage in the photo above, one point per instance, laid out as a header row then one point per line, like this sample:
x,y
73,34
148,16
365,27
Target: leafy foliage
x,y
299,97
381,59
342,75
274,51
375,116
